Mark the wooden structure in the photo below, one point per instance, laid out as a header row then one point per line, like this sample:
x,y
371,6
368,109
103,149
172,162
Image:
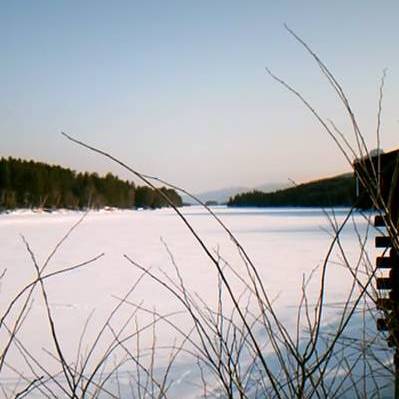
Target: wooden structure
x,y
377,186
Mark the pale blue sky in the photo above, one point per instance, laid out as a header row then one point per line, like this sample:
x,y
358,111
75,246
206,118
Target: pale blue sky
x,y
178,88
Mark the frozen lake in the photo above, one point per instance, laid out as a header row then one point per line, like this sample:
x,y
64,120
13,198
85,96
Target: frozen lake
x,y
284,244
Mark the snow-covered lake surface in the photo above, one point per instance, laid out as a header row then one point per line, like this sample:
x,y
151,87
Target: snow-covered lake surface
x,y
284,244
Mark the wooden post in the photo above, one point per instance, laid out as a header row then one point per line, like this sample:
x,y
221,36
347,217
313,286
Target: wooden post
x,y
389,304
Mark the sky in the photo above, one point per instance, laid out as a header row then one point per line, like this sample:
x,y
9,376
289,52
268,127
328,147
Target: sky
x,y
179,89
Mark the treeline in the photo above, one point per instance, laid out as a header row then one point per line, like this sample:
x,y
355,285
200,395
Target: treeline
x,y
29,184
336,191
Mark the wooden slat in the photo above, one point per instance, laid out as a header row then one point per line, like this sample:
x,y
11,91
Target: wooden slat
x,y
383,242
384,262
384,304
382,325
384,283
379,221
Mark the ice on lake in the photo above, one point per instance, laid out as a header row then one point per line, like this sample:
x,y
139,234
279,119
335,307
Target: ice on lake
x,y
287,245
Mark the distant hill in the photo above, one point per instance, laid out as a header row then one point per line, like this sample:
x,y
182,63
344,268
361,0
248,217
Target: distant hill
x,y
220,196
335,191
223,195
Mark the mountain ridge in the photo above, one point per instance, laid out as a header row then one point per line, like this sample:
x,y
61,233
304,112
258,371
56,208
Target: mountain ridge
x,y
221,196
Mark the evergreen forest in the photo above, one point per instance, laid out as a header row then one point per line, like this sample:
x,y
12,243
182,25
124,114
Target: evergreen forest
x,y
30,184
331,192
